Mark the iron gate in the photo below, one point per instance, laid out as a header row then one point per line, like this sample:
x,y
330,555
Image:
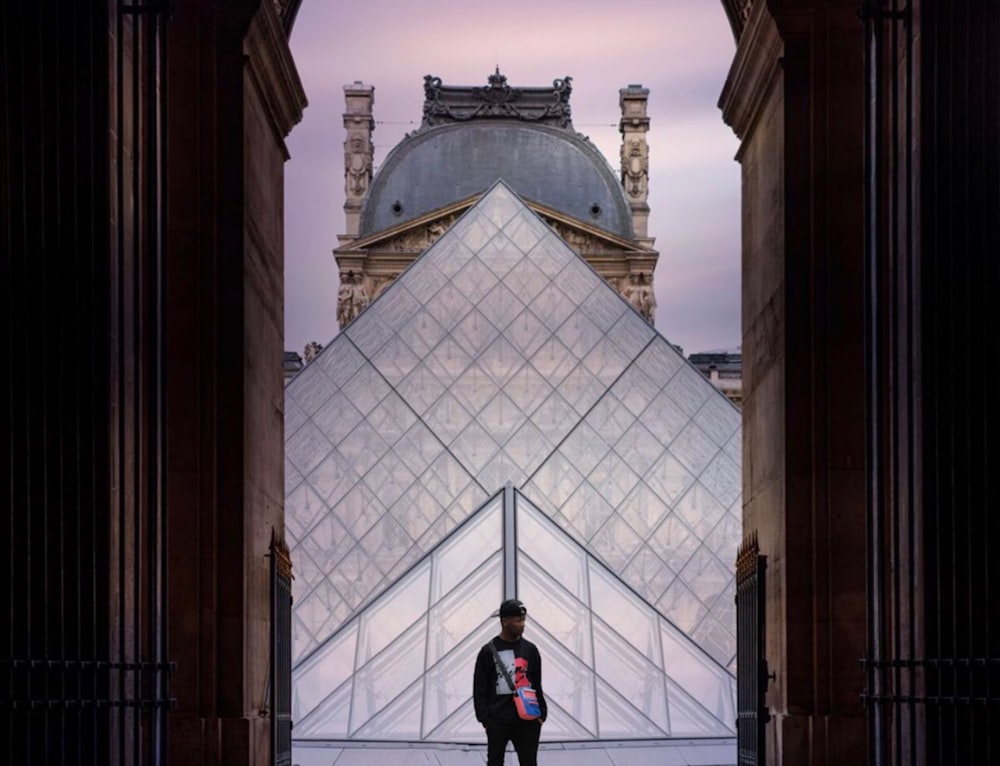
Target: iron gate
x,y
752,671
281,653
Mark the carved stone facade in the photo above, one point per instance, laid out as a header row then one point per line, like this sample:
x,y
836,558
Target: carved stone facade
x,y
633,126
358,150
498,100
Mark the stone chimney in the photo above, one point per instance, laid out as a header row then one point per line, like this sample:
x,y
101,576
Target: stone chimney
x,y
633,126
358,152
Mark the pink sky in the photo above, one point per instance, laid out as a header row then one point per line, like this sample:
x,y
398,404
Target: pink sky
x,y
679,49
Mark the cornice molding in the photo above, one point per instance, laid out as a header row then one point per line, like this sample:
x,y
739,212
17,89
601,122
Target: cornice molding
x,y
754,72
273,71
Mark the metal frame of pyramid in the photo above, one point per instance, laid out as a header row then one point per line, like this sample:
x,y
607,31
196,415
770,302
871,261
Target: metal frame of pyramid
x,y
500,356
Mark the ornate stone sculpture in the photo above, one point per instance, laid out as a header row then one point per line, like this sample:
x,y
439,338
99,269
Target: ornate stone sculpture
x,y
635,168
357,167
638,291
312,351
344,299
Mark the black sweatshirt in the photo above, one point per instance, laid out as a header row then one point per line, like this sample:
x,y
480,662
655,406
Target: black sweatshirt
x,y
491,693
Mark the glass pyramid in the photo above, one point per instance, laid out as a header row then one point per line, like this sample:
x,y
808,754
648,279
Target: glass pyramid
x,y
501,357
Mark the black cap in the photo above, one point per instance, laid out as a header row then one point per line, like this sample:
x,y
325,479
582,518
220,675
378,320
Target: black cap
x,y
512,608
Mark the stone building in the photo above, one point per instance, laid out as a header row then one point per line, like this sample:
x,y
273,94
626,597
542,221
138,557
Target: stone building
x,y
468,138
141,185
724,369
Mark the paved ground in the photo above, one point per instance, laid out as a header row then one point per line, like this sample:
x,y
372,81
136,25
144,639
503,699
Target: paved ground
x,y
687,752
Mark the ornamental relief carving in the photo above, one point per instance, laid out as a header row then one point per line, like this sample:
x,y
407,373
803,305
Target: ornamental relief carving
x,y
635,167
421,237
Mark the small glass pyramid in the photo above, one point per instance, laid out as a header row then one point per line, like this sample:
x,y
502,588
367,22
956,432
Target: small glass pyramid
x,y
501,356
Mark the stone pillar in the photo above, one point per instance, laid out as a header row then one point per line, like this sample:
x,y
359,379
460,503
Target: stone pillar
x,y
358,152
633,126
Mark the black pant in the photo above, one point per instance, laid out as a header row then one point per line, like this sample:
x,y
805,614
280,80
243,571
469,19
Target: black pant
x,y
524,735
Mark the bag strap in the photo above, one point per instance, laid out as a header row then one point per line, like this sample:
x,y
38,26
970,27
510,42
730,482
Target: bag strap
x,y
502,668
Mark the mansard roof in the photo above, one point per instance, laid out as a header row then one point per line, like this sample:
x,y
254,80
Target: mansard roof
x,y
472,136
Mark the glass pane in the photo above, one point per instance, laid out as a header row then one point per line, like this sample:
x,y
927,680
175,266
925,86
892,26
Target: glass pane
x,y
423,280
699,511
339,360
395,360
635,389
475,280
474,389
500,205
629,617
554,418
688,390
369,336
474,447
690,719
448,361
447,418
399,720
551,255
391,418
366,389
449,255
578,280
703,679
648,575
581,389
420,389
421,334
381,680
474,229
553,552
643,510
586,511
527,389
639,448
606,361
418,448
385,544
449,305
525,230
330,720
719,419
681,606
569,681
627,671
302,508
501,306
528,447
501,417
579,334
294,415
362,448
552,306
610,418
584,448
705,576
673,542
668,478
660,361
448,685
526,333
501,255
337,417
307,448
620,720
631,333
393,613
327,543
613,478
311,391
474,332
553,361
565,618
464,610
399,311
604,307
466,550
557,479
723,479
502,469
501,360
526,280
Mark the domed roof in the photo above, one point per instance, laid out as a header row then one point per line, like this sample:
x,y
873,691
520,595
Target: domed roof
x,y
446,163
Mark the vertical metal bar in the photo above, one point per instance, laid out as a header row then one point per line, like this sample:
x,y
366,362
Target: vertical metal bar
x,y
872,394
509,543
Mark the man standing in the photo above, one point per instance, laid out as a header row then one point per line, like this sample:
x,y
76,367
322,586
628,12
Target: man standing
x,y
494,697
